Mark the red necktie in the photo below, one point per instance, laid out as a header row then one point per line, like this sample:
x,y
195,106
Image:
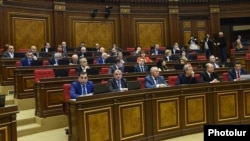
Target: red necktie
x,y
238,74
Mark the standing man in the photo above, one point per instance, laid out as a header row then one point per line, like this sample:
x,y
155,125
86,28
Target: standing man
x,y
81,86
222,46
154,80
207,44
234,74
117,83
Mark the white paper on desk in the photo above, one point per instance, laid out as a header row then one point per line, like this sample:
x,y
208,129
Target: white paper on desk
x,y
245,77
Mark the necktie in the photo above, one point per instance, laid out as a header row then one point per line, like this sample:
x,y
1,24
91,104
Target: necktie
x,y
156,82
238,74
119,84
142,70
29,61
84,91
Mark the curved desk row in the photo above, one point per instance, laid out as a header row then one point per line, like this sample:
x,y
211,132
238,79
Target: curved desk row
x,y
157,114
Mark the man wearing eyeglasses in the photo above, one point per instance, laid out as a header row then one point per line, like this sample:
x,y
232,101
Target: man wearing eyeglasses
x,y
81,87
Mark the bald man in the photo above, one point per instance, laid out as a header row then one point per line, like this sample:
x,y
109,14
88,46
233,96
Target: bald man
x,y
209,75
154,80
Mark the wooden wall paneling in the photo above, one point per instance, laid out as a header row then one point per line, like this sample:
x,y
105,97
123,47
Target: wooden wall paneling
x,y
28,29
186,37
2,42
125,27
91,32
150,31
174,28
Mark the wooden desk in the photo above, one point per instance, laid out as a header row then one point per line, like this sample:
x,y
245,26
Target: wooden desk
x,y
8,127
49,92
157,114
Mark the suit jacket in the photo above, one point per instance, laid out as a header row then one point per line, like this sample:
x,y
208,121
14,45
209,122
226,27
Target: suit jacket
x,y
76,89
52,61
182,79
25,62
232,74
50,49
113,84
114,67
138,68
6,55
100,61
149,82
176,52
204,77
153,51
79,70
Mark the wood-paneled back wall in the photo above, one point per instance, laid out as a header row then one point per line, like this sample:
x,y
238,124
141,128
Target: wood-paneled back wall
x,y
25,23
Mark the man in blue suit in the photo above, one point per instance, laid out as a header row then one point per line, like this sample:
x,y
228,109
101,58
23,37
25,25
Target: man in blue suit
x,y
81,86
154,80
26,61
140,67
234,74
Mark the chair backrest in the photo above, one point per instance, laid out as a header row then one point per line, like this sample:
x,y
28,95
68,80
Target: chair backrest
x,y
104,82
43,73
18,63
66,96
197,76
142,82
45,62
147,50
201,57
225,76
66,91
104,70
130,49
247,56
162,48
23,50
232,50
172,80
72,72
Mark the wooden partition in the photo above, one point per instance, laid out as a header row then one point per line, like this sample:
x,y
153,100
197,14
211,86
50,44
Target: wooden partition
x,y
48,92
8,127
157,114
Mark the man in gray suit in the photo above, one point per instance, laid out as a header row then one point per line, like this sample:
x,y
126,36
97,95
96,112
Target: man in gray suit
x,y
154,80
9,53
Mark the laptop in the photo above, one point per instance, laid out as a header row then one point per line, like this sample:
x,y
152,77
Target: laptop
x,y
64,61
36,63
134,85
92,71
61,72
178,66
101,88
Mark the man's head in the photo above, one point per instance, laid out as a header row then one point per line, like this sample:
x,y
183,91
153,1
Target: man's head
x,y
141,62
83,78
33,49
237,66
117,74
58,56
157,46
102,49
209,68
47,45
104,55
118,62
212,59
74,57
168,52
11,48
221,34
83,62
83,49
64,44
154,72
29,55
188,69
97,46
59,48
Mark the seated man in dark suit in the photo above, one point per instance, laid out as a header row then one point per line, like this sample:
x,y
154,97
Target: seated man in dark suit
x,y
234,74
118,65
26,61
140,67
47,48
209,75
81,87
83,66
54,60
187,77
102,59
154,80
9,53
212,60
117,83
156,51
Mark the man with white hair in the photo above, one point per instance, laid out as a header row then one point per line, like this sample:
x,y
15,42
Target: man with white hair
x,y
54,60
74,60
154,80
